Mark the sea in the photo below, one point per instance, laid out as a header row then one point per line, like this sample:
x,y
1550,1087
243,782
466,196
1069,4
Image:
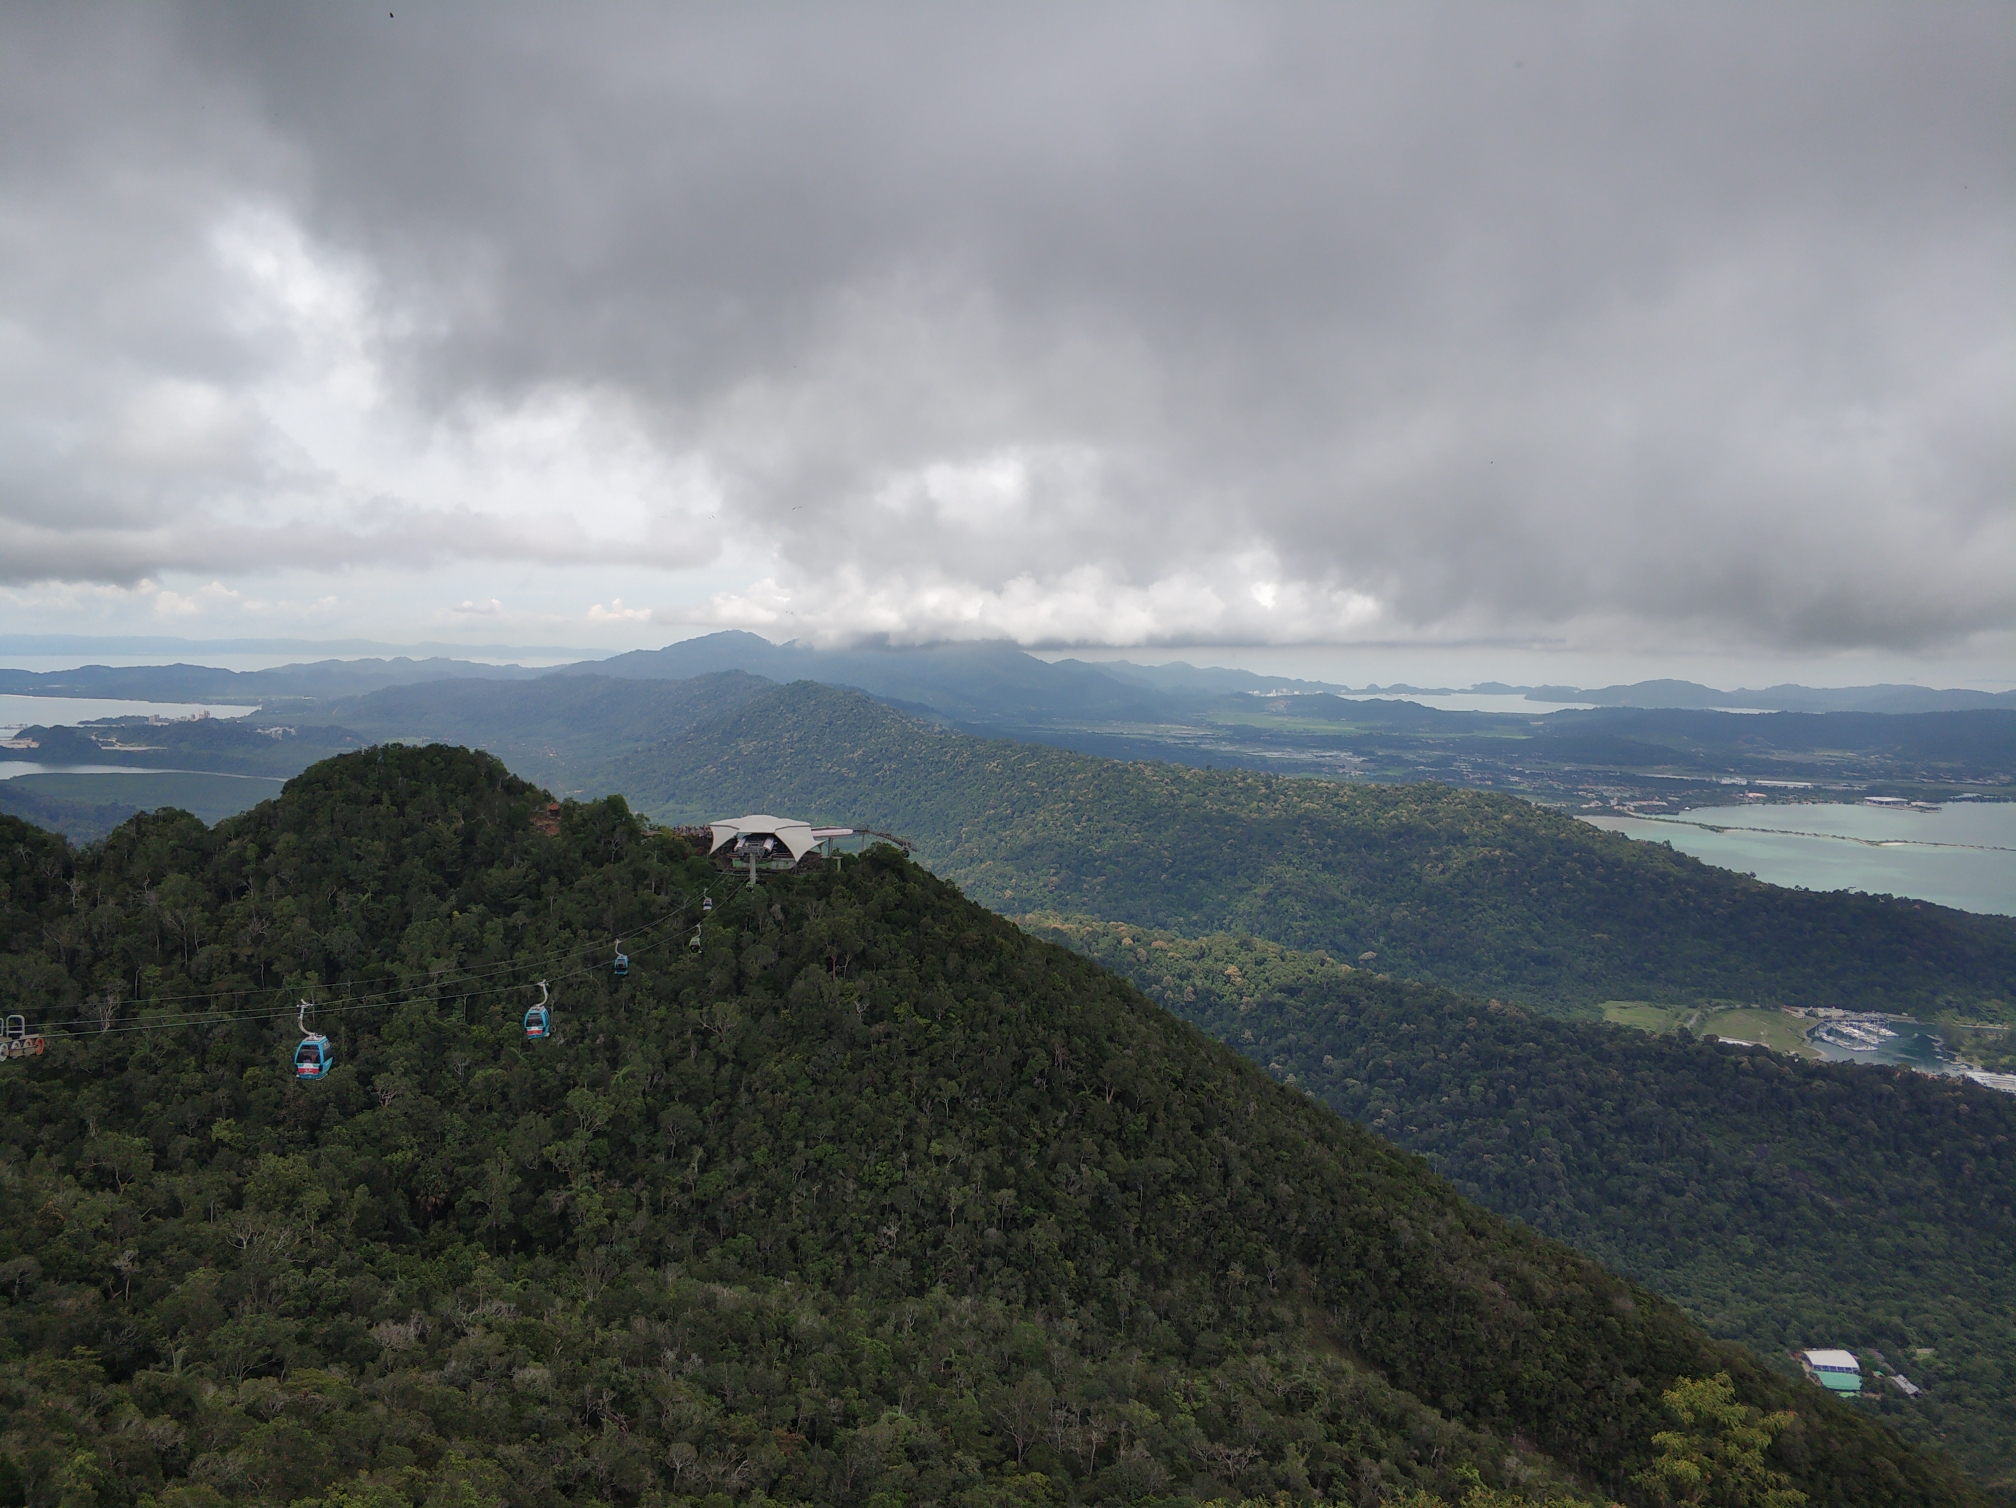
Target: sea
x,y
11,769
18,712
1962,855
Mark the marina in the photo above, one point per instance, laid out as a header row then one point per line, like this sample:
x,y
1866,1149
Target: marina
x,y
1828,1034
1853,1036
1896,1041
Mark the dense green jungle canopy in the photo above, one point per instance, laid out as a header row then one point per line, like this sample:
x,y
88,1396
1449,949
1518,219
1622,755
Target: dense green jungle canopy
x,y
869,1198
1785,1204
86,819
1478,891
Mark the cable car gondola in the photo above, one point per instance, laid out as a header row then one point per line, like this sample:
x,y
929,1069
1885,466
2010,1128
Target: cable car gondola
x,y
539,1020
313,1057
15,1040
622,964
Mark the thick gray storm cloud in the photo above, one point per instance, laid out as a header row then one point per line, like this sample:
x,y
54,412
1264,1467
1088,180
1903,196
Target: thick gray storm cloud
x,y
1122,324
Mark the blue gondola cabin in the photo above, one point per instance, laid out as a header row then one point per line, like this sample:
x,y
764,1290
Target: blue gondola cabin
x,y
537,1023
313,1058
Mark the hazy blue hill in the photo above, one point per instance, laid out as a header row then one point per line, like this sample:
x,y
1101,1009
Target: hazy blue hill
x,y
207,683
1179,675
1945,743
710,654
1477,890
871,1193
248,745
1661,693
1386,712
1890,698
83,807
564,730
80,821
982,682
1983,739
1783,1203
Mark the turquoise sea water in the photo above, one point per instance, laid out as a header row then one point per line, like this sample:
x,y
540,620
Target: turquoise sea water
x,y
1962,855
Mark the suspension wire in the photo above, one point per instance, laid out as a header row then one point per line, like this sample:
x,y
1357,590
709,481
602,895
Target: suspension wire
x,y
340,1007
564,953
343,1005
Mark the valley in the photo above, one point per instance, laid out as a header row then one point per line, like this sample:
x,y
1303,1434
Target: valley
x,y
1777,1199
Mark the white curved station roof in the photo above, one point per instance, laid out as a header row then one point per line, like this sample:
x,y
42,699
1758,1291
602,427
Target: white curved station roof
x,y
797,836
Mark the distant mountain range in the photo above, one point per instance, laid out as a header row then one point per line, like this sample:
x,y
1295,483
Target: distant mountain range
x,y
313,681
977,683
579,728
970,683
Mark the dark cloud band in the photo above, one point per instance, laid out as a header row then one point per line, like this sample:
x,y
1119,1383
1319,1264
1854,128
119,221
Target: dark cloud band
x,y
1130,324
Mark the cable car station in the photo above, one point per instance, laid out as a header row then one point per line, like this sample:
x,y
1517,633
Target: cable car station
x,y
759,842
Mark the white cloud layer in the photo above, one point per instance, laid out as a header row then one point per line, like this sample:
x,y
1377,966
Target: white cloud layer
x,y
1136,325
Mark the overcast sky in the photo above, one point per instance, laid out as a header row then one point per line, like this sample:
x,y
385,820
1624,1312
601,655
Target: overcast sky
x,y
1683,330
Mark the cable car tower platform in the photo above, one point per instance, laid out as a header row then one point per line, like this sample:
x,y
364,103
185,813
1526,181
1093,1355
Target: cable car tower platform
x,y
759,843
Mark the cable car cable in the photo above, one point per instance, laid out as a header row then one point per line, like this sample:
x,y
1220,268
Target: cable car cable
x,y
266,1013
481,970
333,1008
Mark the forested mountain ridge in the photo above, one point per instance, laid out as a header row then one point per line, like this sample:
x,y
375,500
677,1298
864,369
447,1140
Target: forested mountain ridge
x,y
572,729
562,731
871,1193
1785,1204
1476,890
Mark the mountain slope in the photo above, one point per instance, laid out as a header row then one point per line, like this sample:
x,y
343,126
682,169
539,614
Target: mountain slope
x,y
561,730
982,683
1475,890
870,1193
81,821
1783,1203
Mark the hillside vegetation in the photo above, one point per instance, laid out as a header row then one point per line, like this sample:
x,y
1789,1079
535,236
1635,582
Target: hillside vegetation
x,y
562,731
1474,890
80,820
1783,1203
870,1198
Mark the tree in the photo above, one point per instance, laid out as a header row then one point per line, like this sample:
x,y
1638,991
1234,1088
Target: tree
x,y
1716,1455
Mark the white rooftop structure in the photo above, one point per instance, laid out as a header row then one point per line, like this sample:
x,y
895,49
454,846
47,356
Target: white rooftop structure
x,y
1832,1361
787,832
